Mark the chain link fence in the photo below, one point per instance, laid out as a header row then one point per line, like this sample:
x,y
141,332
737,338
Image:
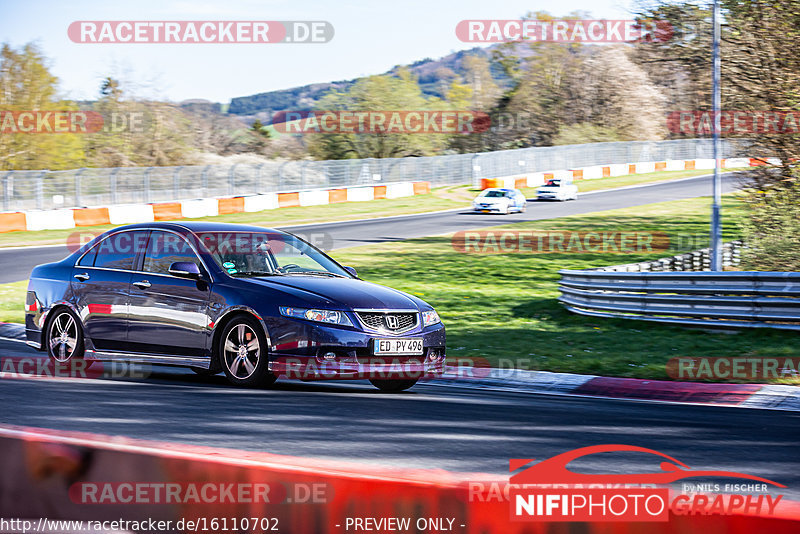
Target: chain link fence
x,y
29,190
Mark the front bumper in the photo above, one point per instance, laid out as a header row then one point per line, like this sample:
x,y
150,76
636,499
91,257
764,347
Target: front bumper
x,y
302,354
489,209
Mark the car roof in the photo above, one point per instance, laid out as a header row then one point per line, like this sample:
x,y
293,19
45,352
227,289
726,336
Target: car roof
x,y
198,227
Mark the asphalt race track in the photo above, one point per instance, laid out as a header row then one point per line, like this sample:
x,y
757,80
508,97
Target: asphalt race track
x,y
430,426
16,265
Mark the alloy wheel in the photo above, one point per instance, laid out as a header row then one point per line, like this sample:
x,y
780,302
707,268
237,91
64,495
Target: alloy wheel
x,y
63,337
242,351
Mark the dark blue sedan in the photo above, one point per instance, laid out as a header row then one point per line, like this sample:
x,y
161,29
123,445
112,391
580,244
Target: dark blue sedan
x,y
252,302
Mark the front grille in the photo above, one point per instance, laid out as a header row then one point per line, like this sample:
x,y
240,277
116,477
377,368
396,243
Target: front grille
x,y
388,321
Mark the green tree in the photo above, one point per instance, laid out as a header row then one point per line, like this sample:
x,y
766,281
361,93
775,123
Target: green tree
x,y
378,93
26,84
138,132
259,137
760,71
772,232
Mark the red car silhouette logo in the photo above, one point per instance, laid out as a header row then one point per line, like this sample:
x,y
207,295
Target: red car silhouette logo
x,y
554,470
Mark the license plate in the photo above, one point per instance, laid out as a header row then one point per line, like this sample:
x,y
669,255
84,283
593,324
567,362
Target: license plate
x,y
485,211
398,346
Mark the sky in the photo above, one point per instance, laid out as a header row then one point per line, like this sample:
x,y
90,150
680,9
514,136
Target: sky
x,y
370,38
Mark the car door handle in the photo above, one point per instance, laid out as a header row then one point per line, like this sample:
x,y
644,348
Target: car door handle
x,y
81,276
144,284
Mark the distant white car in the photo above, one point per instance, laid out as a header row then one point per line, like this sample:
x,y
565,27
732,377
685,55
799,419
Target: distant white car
x,y
555,190
498,200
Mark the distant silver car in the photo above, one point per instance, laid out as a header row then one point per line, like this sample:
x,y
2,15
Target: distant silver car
x,y
555,189
499,200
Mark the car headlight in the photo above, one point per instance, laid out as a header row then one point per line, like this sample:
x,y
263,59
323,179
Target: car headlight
x,y
430,317
319,316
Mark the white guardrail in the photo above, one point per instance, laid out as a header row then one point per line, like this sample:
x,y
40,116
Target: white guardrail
x,y
728,299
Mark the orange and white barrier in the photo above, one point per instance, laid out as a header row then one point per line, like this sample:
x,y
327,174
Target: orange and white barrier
x,y
131,213
62,219
616,169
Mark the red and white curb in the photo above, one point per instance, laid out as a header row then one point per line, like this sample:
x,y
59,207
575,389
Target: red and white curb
x,y
763,396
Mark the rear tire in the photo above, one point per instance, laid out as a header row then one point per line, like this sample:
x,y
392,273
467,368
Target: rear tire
x,y
64,337
243,353
393,386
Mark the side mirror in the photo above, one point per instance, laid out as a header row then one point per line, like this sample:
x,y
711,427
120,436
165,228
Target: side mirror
x,y
351,270
185,269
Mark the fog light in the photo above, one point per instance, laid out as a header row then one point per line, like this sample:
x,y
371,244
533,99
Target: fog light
x,y
433,356
329,356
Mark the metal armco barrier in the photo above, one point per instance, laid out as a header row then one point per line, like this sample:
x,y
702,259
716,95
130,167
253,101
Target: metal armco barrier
x,y
712,299
38,467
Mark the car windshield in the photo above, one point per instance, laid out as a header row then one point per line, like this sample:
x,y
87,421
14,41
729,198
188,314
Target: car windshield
x,y
496,194
245,254
552,183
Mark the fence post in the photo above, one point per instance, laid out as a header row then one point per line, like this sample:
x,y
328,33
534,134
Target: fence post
x,y
8,190
176,183
204,180
147,184
78,202
113,185
280,176
259,175
231,180
40,190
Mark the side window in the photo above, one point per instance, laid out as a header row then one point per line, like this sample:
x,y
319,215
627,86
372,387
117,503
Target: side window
x,y
164,249
88,259
118,251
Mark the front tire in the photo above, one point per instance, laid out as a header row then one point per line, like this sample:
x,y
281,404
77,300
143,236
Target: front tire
x,y
393,386
64,339
243,354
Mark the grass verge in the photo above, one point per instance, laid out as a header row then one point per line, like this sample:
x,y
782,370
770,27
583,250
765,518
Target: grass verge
x,y
12,302
503,307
